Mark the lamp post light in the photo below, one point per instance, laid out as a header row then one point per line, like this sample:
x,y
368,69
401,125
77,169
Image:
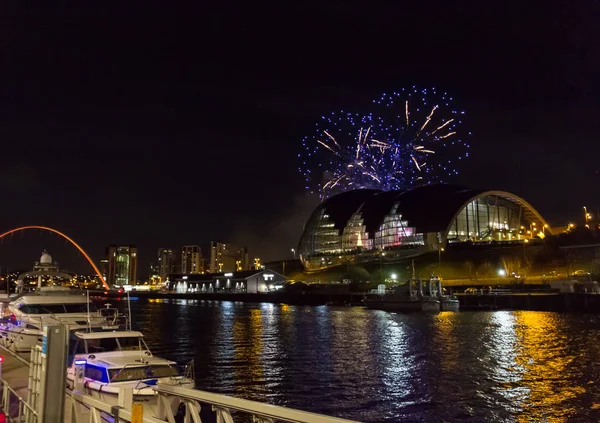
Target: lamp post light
x,y
586,216
294,253
381,266
440,251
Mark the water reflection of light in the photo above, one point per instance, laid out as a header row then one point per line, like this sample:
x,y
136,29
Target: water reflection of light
x,y
396,361
446,341
543,354
248,346
502,356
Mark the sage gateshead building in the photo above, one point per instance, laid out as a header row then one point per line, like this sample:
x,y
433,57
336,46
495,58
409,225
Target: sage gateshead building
x,y
366,225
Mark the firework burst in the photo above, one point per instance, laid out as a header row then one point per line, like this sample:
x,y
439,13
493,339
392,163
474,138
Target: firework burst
x,y
410,138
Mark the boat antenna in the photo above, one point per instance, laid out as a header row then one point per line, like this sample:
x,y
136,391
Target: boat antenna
x,y
129,309
89,322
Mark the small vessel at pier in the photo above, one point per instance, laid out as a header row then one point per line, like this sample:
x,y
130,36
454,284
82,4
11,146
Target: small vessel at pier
x,y
407,297
447,302
26,313
24,318
106,362
415,295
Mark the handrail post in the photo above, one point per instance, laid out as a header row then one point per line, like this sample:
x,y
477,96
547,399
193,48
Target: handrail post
x,y
115,412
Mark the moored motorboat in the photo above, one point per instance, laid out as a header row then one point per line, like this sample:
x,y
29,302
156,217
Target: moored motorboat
x,y
447,302
406,297
415,295
104,363
25,316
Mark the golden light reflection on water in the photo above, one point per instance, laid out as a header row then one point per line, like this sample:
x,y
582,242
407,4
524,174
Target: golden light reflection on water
x,y
445,323
544,359
248,346
350,343
374,366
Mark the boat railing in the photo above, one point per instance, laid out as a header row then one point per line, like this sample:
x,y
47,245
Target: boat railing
x,y
189,370
226,408
112,316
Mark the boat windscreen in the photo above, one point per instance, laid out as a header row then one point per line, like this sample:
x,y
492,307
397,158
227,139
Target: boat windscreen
x,y
130,343
80,308
139,373
56,308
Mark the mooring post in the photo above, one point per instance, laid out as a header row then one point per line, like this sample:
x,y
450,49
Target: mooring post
x,y
51,405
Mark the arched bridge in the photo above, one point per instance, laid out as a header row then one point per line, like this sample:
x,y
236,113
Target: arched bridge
x,y
44,228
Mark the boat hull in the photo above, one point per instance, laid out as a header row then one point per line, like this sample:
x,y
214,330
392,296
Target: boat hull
x,y
450,305
403,305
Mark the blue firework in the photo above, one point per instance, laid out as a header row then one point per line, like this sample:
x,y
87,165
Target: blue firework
x,y
410,138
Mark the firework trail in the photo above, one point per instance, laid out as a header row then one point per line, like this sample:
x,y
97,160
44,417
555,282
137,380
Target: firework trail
x,y
410,138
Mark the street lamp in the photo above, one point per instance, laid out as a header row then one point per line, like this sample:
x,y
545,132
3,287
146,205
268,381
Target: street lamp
x,y
440,251
294,253
381,254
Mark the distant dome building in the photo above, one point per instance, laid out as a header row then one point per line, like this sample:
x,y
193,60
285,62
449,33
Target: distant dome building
x,y
371,225
46,258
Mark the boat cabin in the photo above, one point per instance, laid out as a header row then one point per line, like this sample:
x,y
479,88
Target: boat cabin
x,y
107,341
117,356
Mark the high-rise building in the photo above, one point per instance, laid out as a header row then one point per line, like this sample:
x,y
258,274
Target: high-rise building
x,y
104,268
228,258
166,263
191,259
122,265
153,277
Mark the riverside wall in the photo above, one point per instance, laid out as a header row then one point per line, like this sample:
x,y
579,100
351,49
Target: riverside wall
x,y
541,301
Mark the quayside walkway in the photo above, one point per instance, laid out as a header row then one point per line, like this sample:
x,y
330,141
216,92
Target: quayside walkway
x,y
29,395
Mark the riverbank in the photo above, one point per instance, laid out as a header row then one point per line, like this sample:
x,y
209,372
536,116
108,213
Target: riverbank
x,y
536,301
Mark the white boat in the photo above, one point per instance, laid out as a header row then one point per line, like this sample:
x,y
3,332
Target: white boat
x,y
24,317
415,296
406,297
104,363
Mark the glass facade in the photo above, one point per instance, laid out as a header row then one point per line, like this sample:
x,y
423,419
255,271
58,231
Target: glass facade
x,y
322,236
122,268
405,225
355,234
395,232
491,218
122,265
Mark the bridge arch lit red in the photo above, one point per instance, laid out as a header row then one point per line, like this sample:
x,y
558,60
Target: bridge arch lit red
x,y
22,228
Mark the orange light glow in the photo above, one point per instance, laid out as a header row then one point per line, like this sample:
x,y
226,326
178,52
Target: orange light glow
x,y
68,239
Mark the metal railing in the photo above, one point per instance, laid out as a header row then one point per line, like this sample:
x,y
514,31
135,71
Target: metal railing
x,y
81,408
172,400
16,408
223,406
171,404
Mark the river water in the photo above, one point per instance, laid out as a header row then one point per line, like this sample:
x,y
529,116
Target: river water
x,y
375,366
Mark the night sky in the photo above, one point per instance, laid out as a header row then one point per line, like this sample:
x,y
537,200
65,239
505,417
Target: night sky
x,y
159,125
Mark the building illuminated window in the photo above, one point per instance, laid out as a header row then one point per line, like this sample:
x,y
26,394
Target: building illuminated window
x,y
395,232
324,237
355,234
122,266
489,218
